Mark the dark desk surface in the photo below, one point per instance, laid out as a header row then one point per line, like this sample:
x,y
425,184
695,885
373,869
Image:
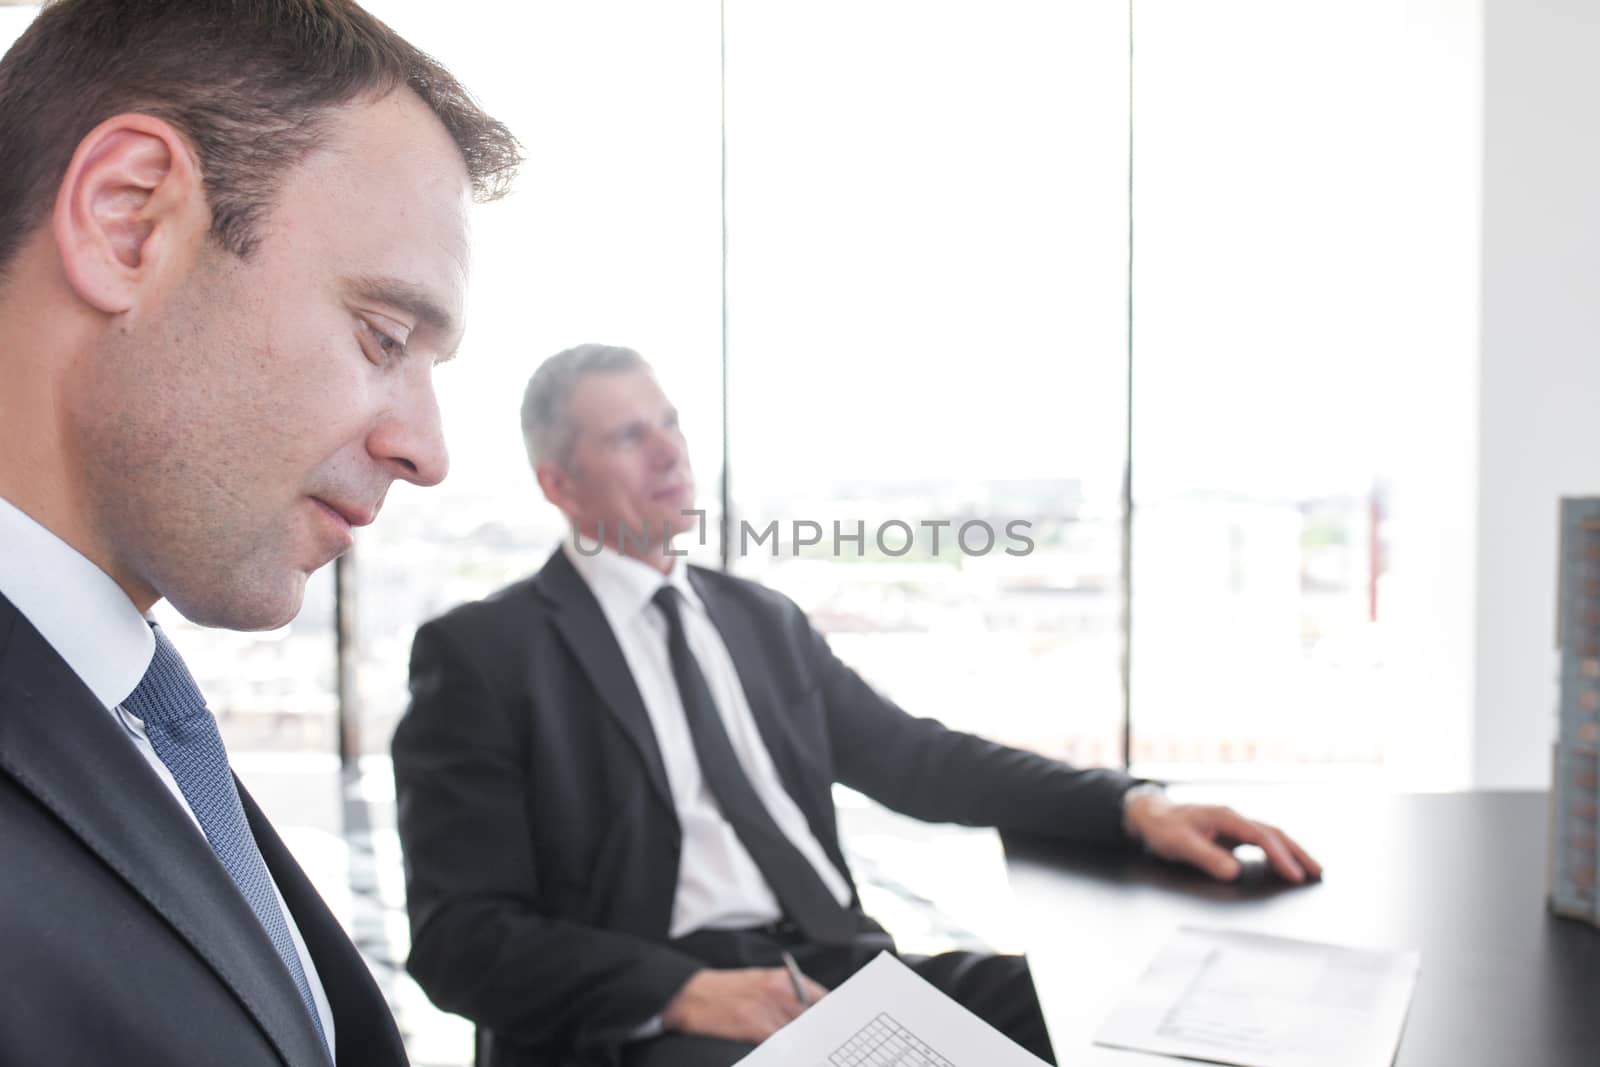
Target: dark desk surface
x,y
1459,876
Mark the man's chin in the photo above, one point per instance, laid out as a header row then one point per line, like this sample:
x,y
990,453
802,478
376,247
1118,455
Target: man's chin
x,y
682,525
250,606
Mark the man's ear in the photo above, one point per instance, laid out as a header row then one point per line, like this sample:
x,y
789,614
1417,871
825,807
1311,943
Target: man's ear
x,y
556,481
131,203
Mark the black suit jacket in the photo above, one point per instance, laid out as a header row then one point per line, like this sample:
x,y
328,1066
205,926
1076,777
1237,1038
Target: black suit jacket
x,y
539,833
122,938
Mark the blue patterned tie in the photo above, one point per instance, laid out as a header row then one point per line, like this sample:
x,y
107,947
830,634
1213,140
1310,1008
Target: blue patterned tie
x,y
184,734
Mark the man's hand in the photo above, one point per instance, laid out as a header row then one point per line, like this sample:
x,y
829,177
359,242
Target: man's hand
x,y
1204,835
740,1005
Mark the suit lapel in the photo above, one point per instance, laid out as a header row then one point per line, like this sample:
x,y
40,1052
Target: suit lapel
x,y
364,1029
583,625
59,743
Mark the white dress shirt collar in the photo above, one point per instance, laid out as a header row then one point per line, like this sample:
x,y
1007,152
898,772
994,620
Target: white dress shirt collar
x,y
719,885
624,585
75,606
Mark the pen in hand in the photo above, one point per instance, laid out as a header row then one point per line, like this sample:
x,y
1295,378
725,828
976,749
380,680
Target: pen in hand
x,y
796,979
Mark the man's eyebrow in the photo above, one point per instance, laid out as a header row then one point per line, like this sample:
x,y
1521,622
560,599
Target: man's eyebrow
x,y
413,300
623,428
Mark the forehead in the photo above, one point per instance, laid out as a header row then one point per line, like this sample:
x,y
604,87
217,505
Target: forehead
x,y
601,400
386,196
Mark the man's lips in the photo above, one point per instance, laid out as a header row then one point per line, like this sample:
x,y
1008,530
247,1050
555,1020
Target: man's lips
x,y
349,514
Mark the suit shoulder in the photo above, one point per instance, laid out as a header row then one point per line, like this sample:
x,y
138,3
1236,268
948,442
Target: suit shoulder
x,y
491,613
750,593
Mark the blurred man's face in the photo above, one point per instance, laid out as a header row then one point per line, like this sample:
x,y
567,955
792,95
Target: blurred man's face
x,y
629,468
236,431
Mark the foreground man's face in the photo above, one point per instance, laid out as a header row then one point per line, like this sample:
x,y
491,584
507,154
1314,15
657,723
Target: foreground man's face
x,y
265,408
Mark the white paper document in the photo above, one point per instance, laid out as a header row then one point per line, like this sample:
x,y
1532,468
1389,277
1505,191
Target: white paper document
x,y
887,1016
1260,1001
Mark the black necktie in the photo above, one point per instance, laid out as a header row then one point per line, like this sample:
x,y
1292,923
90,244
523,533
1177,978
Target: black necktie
x,y
795,882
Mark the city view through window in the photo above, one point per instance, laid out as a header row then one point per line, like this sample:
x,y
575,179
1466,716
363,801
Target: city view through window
x,y
896,297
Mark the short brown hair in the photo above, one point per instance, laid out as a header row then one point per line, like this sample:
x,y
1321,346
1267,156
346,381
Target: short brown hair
x,y
248,82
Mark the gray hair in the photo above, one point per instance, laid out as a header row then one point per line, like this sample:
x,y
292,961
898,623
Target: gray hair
x,y
547,428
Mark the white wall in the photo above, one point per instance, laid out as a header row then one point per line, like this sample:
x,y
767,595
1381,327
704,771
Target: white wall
x,y
1540,377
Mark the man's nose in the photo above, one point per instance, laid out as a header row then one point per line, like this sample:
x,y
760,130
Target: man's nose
x,y
666,448
409,438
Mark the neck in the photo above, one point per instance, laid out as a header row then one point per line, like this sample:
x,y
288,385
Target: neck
x,y
651,551
40,471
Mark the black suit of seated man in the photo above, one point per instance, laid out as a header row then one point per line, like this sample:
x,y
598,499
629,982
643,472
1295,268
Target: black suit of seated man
x,y
580,883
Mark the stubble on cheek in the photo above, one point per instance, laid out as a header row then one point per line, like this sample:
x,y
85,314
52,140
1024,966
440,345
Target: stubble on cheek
x,y
184,472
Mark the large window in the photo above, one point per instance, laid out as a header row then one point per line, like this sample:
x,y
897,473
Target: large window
x,y
927,218
1282,382
886,244
612,234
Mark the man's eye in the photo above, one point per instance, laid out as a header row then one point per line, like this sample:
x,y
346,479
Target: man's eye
x,y
388,347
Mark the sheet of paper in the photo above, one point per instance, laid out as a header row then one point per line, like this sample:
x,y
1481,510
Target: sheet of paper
x,y
1259,1001
886,1016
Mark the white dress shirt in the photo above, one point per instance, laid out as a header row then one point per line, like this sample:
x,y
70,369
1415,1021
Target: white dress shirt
x,y
719,885
90,622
